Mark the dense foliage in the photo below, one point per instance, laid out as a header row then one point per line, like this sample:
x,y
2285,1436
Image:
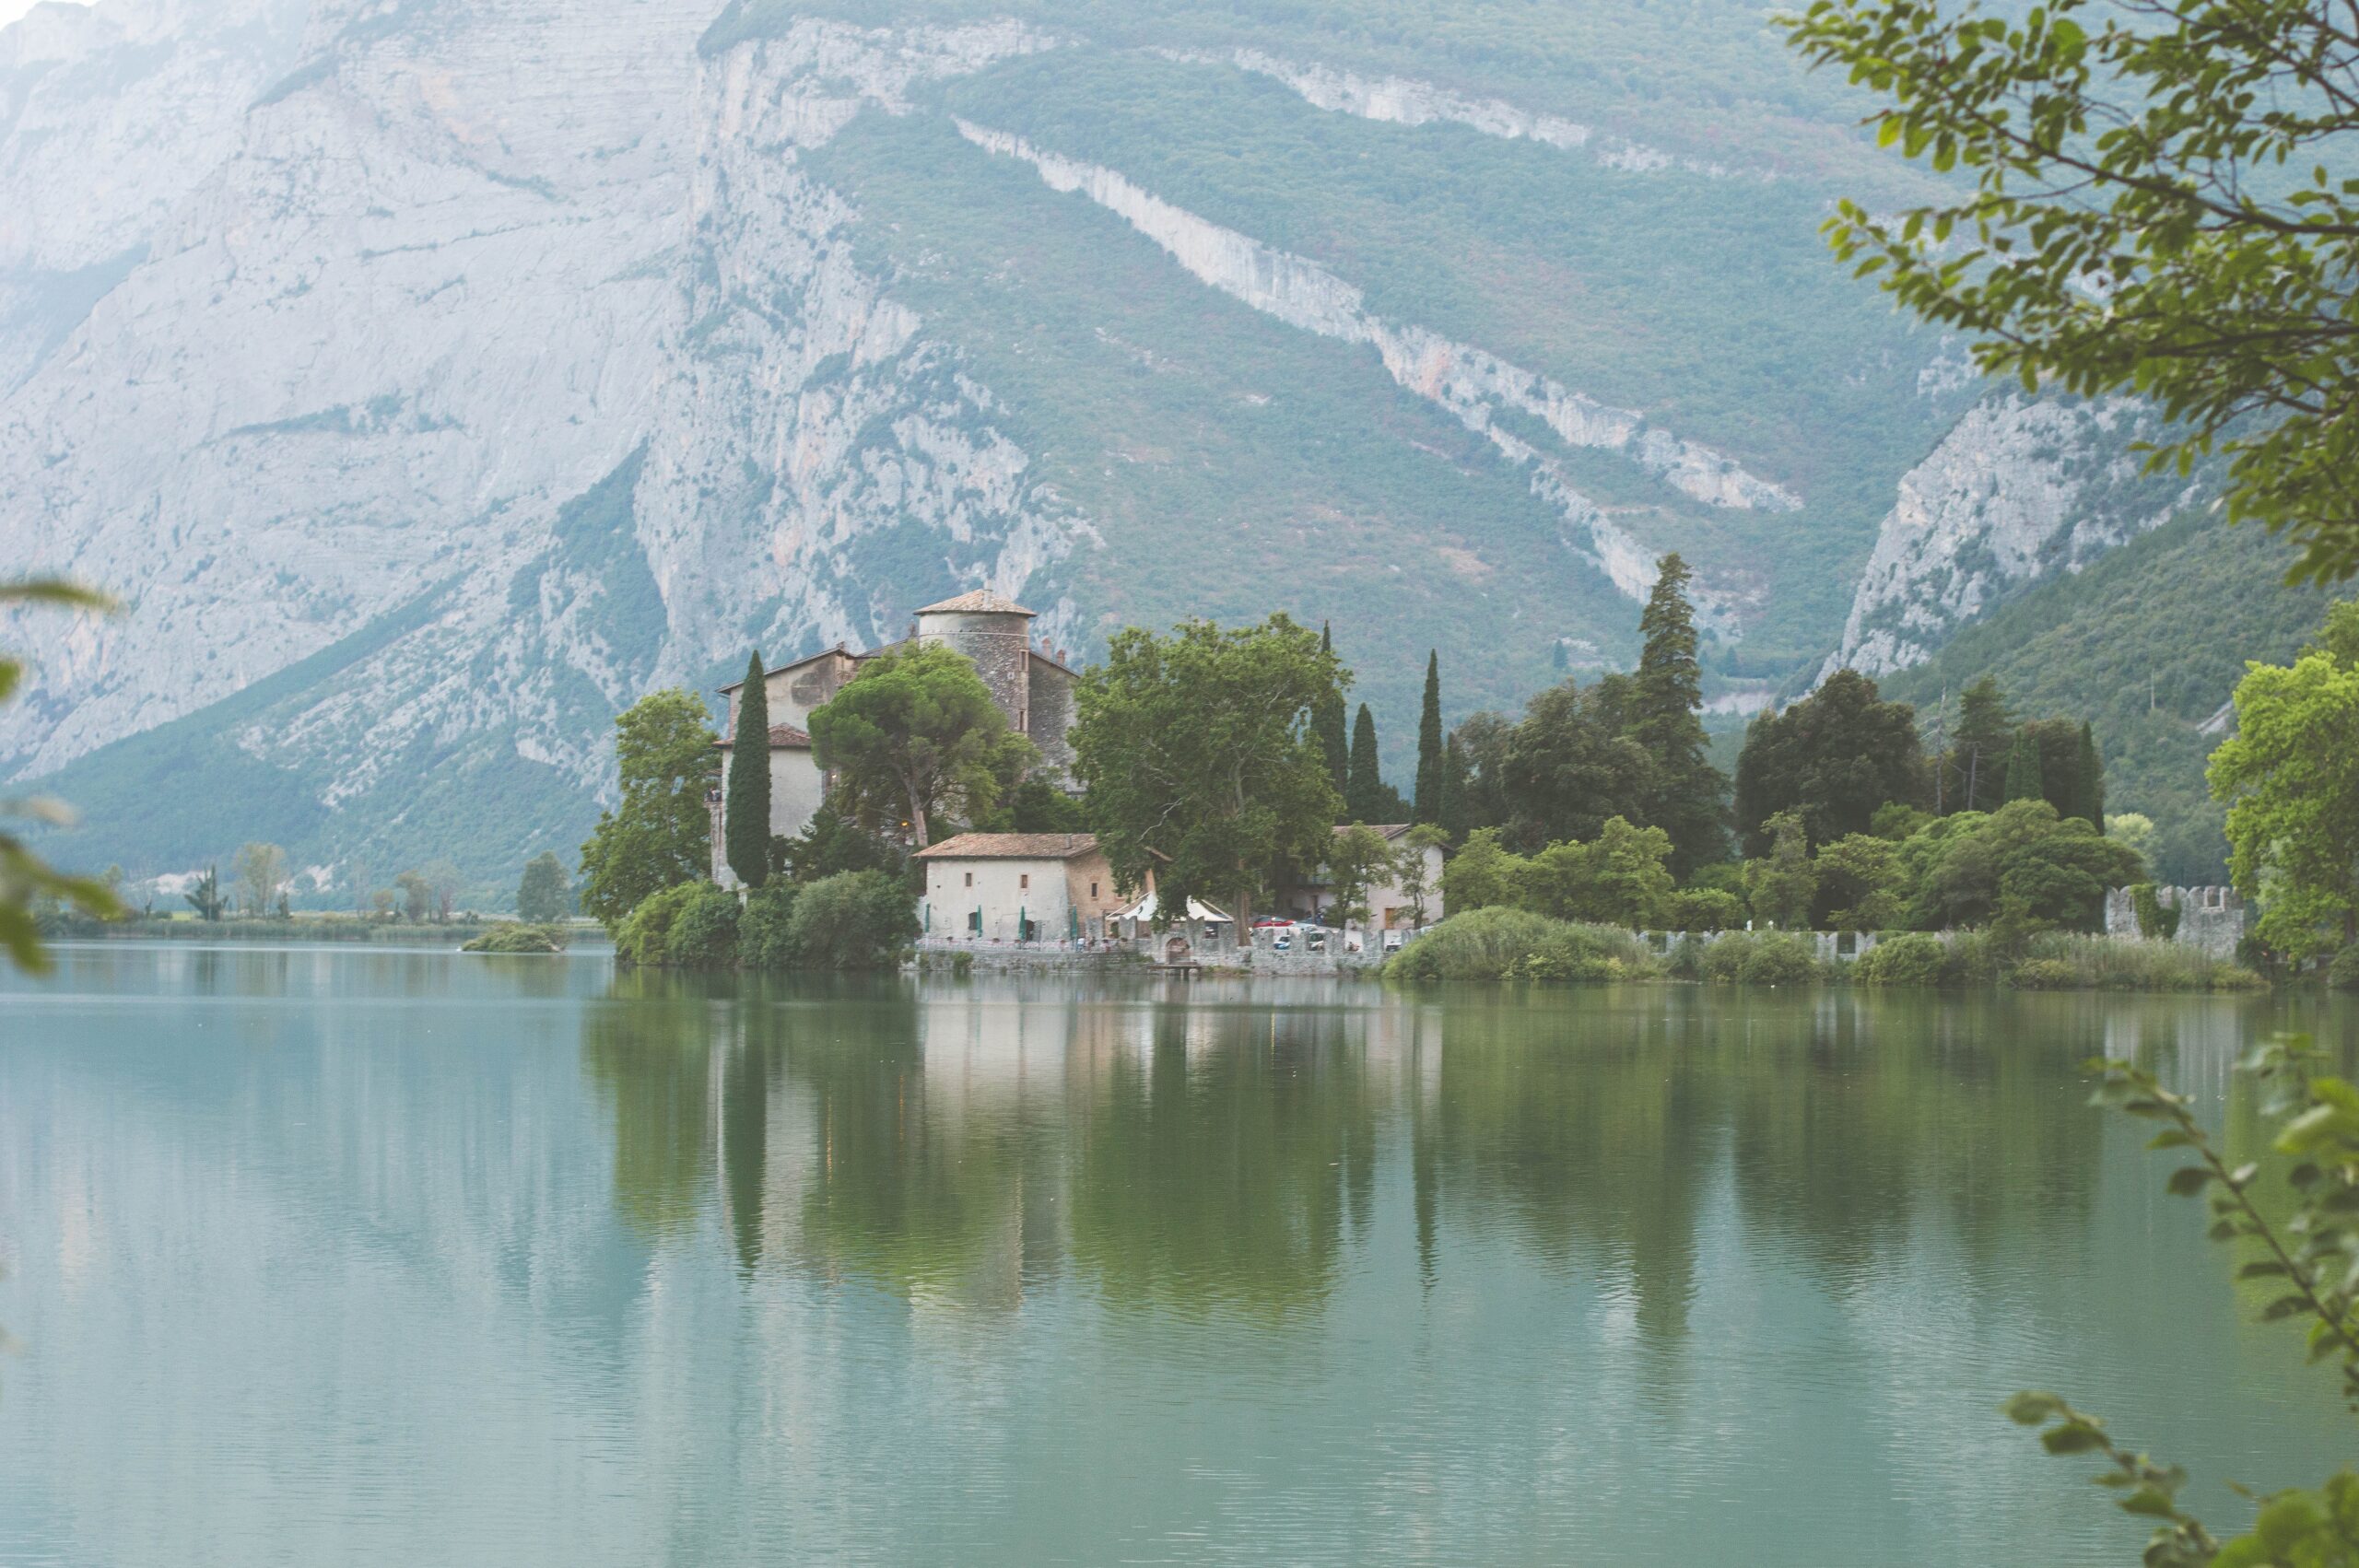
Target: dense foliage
x,y
2290,778
659,835
542,894
1517,944
25,878
914,736
517,936
2158,207
1198,753
1836,758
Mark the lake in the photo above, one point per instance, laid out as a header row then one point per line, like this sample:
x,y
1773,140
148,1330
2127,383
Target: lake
x,y
322,1256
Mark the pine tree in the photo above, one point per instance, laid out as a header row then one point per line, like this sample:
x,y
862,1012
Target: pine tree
x,y
2023,769
1985,731
1326,723
1430,761
1364,800
1684,794
746,809
2092,780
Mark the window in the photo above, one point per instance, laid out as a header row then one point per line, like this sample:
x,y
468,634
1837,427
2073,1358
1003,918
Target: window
x,y
1023,879
971,879
1093,890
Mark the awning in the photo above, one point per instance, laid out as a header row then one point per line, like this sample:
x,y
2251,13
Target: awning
x,y
1144,910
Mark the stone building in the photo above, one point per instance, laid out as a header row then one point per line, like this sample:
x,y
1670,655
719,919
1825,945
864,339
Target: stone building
x,y
2211,919
1017,887
1390,906
1031,683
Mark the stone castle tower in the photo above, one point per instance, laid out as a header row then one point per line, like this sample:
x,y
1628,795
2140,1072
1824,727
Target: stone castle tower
x,y
995,632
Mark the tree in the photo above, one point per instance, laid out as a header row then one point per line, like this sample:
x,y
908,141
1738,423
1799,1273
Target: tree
x,y
2289,777
417,896
543,897
1483,741
914,736
260,869
2024,780
1363,792
206,897
1629,870
1685,792
1836,757
660,834
832,844
746,824
27,880
1571,763
1359,855
1978,761
2134,829
2020,870
1328,721
2158,208
1411,871
1454,783
1781,884
1483,874
1432,764
443,883
2089,782
1198,753
1037,806
1862,885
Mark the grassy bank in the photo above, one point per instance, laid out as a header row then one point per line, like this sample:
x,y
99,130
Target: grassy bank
x,y
1513,944
300,929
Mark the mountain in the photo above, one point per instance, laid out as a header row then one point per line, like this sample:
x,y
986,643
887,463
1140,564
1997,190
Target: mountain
x,y
429,379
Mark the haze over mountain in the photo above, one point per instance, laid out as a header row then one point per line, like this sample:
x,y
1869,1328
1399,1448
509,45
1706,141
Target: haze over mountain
x,y
431,378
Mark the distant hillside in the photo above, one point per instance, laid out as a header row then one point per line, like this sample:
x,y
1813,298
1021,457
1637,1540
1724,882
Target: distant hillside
x,y
2147,643
433,381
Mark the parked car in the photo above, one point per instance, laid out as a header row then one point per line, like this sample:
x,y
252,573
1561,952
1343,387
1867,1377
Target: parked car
x,y
1393,940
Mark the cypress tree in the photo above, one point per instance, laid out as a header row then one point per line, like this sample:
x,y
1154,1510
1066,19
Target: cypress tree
x,y
1326,723
2092,781
1453,790
1684,794
1430,761
1364,800
746,813
2023,769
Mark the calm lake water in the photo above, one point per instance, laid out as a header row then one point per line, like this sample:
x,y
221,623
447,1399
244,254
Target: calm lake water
x,y
345,1256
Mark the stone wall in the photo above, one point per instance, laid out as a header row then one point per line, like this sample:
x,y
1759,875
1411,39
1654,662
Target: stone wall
x,y
1049,722
2211,919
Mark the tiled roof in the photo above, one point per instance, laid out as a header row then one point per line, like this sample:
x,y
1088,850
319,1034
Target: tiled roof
x,y
782,737
1390,830
1011,847
813,659
981,601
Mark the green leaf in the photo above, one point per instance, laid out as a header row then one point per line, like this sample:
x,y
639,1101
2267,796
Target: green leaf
x,y
2188,1180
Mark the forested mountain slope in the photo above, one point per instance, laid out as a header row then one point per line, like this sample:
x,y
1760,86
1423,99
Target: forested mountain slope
x,y
431,379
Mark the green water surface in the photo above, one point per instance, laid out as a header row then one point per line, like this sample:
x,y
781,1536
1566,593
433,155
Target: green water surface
x,y
324,1255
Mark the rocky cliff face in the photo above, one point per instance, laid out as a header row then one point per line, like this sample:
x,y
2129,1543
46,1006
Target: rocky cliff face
x,y
529,311
429,379
2020,489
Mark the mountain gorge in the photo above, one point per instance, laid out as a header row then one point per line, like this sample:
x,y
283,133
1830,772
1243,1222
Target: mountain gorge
x,y
431,379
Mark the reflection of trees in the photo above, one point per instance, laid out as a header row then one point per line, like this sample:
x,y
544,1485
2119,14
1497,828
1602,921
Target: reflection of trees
x,y
1857,1114
1223,1167
1587,1126
649,1047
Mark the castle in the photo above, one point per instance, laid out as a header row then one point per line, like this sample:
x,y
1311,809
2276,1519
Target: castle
x,y
1031,684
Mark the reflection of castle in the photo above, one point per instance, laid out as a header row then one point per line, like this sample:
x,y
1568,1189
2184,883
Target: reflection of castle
x,y
1031,684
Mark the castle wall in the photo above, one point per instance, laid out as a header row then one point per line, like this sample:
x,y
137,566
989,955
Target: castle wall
x,y
1050,720
2211,919
1001,647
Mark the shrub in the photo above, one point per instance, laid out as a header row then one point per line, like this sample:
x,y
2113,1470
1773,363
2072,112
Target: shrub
x,y
765,927
1724,961
1916,958
2343,973
2061,961
1780,959
704,933
2044,975
852,920
693,925
2156,920
514,936
1705,909
1515,945
1685,960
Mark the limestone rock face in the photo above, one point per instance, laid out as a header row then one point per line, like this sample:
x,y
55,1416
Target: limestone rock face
x,y
2018,489
502,368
